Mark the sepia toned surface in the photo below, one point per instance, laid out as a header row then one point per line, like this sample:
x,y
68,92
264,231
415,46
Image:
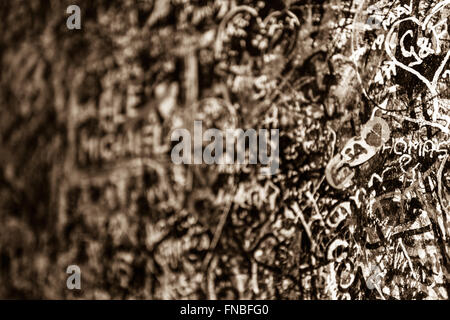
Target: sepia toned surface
x,y
358,208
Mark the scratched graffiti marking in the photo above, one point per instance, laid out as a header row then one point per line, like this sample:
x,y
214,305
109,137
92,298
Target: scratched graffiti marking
x,y
409,52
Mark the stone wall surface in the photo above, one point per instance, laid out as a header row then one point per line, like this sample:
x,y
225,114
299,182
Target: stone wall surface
x,y
359,208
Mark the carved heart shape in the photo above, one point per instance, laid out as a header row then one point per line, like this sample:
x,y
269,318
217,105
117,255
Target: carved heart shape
x,y
374,134
252,52
339,171
425,49
244,26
